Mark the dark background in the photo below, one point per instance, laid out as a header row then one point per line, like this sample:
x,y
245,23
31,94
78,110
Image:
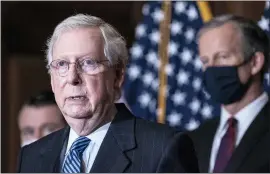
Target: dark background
x,y
25,28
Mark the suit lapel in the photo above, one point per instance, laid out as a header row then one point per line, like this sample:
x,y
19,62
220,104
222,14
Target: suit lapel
x,y
119,138
50,154
256,130
206,145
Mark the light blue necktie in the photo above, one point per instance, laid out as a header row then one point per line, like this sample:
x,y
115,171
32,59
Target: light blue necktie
x,y
73,162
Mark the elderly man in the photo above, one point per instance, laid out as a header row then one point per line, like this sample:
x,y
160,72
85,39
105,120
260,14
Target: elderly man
x,y
38,117
86,60
235,55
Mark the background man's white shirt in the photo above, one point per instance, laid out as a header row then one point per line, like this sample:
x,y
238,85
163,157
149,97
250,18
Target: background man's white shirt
x,y
244,118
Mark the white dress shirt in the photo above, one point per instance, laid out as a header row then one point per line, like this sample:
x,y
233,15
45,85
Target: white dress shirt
x,y
244,118
90,153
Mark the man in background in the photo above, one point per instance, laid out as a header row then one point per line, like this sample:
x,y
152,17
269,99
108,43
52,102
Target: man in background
x,y
235,55
38,117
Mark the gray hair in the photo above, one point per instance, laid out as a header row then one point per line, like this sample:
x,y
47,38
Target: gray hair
x,y
115,48
254,39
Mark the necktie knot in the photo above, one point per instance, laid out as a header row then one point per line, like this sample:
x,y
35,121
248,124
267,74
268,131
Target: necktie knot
x,y
73,162
232,122
80,144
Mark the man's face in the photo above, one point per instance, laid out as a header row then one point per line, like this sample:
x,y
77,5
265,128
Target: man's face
x,y
222,47
80,95
37,122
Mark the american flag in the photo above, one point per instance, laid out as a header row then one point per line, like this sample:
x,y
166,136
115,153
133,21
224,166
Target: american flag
x,y
187,103
264,23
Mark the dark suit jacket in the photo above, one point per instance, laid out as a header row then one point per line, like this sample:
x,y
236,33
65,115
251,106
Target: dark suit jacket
x,y
251,155
130,145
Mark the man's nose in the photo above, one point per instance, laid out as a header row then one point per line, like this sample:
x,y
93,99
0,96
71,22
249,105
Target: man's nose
x,y
38,134
73,76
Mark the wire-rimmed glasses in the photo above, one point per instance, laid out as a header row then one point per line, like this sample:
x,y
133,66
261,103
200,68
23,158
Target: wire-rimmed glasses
x,y
87,66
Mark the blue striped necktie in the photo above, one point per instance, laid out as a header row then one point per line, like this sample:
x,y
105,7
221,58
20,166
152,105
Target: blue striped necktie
x,y
73,162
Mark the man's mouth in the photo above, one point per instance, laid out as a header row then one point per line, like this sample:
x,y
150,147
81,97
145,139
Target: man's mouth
x,y
79,97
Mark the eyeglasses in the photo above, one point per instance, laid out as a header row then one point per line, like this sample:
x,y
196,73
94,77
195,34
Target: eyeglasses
x,y
87,66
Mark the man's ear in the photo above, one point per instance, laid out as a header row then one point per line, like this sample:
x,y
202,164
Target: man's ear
x,y
120,72
119,80
257,63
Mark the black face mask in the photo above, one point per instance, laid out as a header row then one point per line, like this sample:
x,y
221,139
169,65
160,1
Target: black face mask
x,y
224,85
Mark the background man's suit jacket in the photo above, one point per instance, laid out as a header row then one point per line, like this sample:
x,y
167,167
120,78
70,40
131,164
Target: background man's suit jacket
x,y
251,155
130,145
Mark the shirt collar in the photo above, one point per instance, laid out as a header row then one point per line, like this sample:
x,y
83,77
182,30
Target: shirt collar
x,y
96,137
246,115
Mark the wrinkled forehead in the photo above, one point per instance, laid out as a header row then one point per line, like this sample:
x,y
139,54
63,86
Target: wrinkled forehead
x,y
224,37
79,43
